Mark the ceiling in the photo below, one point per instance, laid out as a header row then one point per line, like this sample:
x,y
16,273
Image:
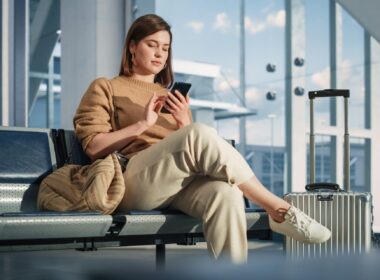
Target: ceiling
x,y
366,14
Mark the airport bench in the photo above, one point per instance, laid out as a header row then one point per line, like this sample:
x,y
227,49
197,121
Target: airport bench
x,y
27,155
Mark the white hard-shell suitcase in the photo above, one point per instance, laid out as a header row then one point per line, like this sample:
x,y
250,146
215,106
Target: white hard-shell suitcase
x,y
347,214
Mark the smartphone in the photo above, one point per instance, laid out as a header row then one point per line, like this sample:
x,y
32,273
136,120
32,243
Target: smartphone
x,y
182,87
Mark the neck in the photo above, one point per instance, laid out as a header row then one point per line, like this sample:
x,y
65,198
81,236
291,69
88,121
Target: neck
x,y
144,78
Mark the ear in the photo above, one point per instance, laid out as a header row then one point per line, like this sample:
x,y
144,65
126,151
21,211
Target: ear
x,y
132,47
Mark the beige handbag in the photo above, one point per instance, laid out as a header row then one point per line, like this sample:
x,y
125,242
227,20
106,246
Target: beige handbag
x,y
95,187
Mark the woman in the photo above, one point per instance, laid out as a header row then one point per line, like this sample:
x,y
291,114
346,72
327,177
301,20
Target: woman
x,y
172,162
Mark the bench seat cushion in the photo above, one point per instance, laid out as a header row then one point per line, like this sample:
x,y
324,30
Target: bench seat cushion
x,y
46,225
157,222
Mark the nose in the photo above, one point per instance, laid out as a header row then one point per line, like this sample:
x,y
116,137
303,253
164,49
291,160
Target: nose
x,y
158,52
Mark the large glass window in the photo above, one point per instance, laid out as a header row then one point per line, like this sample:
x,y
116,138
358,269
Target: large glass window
x,y
265,49
38,116
208,31
351,72
317,59
273,171
357,165
265,89
323,159
44,65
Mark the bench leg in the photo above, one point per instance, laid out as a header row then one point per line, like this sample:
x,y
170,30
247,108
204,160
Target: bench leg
x,y
86,248
160,256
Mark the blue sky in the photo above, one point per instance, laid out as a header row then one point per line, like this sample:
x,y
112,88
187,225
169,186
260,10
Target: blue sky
x,y
207,31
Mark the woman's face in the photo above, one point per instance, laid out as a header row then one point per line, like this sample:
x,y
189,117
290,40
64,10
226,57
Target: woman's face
x,y
151,53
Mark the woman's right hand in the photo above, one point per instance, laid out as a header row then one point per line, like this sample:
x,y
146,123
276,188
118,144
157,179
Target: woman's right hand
x,y
153,108
102,144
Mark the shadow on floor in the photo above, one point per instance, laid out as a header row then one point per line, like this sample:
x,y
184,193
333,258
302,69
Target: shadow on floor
x,y
266,261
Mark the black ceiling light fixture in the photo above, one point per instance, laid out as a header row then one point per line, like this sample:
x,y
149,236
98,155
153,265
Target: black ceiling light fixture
x,y
298,61
299,91
271,95
271,68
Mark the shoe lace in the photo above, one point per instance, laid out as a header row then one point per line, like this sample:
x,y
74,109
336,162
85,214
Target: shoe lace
x,y
301,220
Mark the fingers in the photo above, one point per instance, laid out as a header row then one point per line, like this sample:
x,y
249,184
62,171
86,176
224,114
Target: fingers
x,y
152,100
172,102
159,104
177,100
179,96
161,98
173,106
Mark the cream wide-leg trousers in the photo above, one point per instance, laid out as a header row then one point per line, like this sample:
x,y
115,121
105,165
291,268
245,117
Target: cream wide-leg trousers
x,y
197,172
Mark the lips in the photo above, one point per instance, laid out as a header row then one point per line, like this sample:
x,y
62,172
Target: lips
x,y
156,63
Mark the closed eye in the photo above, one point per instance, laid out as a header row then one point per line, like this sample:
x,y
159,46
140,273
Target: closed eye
x,y
155,44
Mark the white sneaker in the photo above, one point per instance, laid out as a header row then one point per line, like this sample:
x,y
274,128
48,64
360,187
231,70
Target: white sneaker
x,y
301,227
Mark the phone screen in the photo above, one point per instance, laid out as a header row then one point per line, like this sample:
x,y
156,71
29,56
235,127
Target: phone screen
x,y
182,87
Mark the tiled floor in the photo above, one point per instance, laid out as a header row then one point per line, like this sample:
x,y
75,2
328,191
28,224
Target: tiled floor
x,y
134,262
266,261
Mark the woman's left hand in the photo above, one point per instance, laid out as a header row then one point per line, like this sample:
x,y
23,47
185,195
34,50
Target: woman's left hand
x,y
178,106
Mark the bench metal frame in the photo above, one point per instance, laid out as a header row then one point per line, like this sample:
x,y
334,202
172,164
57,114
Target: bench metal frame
x,y
62,149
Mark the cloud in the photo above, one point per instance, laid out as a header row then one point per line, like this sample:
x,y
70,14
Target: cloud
x,y
225,85
254,97
352,77
276,19
253,27
322,78
196,26
222,22
349,76
273,20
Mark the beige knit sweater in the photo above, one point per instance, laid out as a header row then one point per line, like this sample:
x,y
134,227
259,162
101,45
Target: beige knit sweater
x,y
113,104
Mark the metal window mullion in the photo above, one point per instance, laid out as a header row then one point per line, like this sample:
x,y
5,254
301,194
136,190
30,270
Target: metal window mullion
x,y
336,108
21,62
50,95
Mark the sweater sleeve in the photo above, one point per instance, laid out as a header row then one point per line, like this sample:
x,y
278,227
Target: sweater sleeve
x,y
93,115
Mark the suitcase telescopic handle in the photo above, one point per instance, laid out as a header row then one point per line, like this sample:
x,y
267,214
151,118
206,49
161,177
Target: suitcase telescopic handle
x,y
321,186
329,93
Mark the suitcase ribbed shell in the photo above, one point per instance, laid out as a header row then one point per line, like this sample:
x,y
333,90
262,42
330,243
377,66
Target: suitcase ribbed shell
x,y
347,214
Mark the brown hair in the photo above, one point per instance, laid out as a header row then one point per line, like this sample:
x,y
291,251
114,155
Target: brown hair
x,y
140,28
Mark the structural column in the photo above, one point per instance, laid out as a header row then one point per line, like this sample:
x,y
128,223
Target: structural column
x,y
372,123
14,62
242,120
21,62
295,116
92,38
4,64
